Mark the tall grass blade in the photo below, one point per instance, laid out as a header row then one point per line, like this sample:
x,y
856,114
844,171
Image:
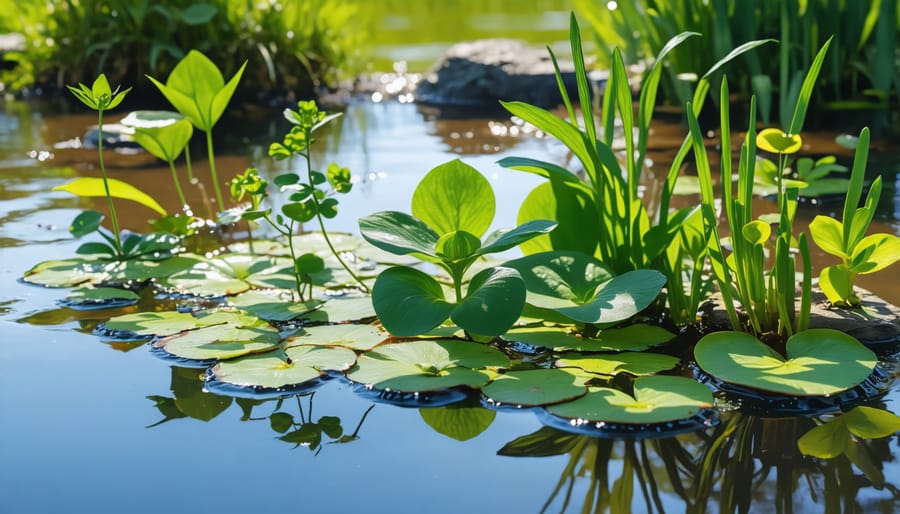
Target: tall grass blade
x,y
806,90
584,91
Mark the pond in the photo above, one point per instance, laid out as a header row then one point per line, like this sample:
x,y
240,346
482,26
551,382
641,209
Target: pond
x,y
100,425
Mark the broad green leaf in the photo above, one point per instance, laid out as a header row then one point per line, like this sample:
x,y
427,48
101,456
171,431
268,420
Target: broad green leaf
x,y
837,284
618,299
282,368
159,323
560,275
819,362
534,387
190,397
635,337
344,309
544,169
429,365
757,232
230,274
504,239
67,272
165,142
219,342
85,223
634,363
457,245
775,141
347,335
657,399
871,423
828,233
398,233
91,186
454,196
458,422
273,305
881,250
400,292
825,441
198,14
493,303
572,209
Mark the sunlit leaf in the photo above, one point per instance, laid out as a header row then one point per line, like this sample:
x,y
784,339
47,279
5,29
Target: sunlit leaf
x,y
93,187
454,196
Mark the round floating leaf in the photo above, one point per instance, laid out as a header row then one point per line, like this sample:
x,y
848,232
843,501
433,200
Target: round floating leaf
x,y
282,368
220,341
354,337
643,363
409,302
456,422
417,366
67,273
454,196
154,323
344,309
534,387
141,270
494,302
657,399
273,305
101,294
635,337
819,362
231,274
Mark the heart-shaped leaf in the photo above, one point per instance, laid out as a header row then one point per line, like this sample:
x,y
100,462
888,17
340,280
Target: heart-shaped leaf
x,y
409,302
775,141
819,362
493,304
635,363
220,341
875,252
657,399
417,366
454,196
282,368
534,387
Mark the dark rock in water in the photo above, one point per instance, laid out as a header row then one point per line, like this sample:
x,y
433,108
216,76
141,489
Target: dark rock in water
x,y
875,322
476,74
115,137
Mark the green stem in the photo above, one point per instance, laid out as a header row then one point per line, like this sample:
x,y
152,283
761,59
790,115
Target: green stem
x,y
212,171
294,262
187,160
184,204
306,155
112,209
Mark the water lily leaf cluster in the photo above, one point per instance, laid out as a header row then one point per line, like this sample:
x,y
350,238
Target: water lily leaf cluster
x,y
452,208
836,436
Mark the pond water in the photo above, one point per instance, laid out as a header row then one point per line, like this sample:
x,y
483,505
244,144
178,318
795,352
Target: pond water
x,y
92,425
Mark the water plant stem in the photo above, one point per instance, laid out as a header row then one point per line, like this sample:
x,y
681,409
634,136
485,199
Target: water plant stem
x,y
212,171
308,158
296,266
112,209
184,204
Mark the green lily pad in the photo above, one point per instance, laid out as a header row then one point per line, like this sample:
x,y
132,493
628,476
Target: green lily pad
x,y
282,368
635,337
634,363
427,365
534,387
354,337
819,362
101,295
343,309
224,341
458,422
273,304
158,323
232,274
657,399
67,273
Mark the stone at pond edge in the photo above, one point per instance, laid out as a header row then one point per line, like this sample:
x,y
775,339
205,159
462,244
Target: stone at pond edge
x,y
478,73
875,322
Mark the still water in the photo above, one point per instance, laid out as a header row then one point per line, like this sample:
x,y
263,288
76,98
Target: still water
x,y
94,426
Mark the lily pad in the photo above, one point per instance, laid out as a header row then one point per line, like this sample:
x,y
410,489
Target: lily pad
x,y
427,365
635,337
221,341
343,309
273,305
67,273
282,368
158,323
232,274
458,422
354,337
100,298
634,363
534,387
657,399
819,362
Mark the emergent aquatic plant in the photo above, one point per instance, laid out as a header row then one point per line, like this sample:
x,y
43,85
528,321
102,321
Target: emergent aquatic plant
x,y
452,208
197,90
847,238
307,200
164,135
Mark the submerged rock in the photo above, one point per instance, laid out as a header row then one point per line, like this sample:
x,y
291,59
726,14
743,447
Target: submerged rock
x,y
874,322
476,74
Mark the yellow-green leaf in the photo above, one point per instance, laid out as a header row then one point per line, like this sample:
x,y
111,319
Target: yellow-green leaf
x,y
775,141
91,186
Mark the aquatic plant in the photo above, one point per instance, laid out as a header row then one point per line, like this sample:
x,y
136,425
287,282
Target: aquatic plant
x,y
165,135
452,208
839,435
847,239
198,91
308,199
604,215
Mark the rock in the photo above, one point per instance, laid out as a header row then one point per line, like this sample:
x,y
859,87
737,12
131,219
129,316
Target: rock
x,y
875,322
476,74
